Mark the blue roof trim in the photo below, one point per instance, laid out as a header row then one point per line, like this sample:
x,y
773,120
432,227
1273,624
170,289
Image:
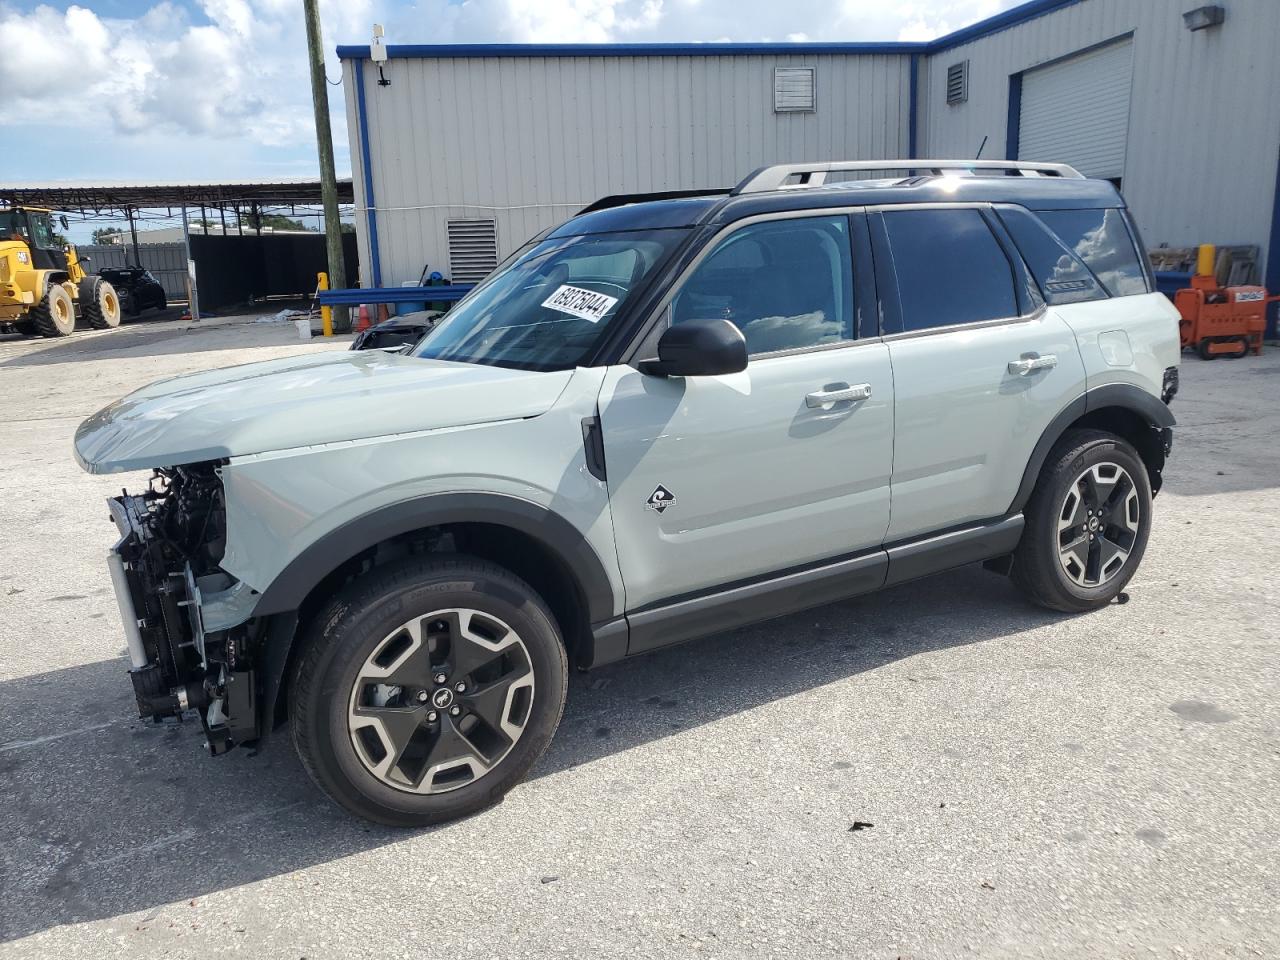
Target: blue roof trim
x,y
1001,21
469,50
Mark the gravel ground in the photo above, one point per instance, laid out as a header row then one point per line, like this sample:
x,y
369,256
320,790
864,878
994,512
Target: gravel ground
x,y
1032,785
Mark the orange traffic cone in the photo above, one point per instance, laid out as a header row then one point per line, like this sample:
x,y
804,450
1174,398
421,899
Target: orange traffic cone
x,y
363,323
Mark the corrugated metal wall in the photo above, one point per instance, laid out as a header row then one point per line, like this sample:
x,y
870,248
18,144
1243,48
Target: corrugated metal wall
x,y
528,141
1204,118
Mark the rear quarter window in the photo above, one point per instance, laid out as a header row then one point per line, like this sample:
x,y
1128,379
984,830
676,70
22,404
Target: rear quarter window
x,y
1101,238
1061,275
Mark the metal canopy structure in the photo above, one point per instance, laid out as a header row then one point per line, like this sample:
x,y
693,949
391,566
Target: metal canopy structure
x,y
96,200
87,197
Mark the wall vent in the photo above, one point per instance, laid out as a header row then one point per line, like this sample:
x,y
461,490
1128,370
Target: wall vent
x,y
473,250
792,89
958,82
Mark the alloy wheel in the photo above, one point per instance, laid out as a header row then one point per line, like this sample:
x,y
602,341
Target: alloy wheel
x,y
441,701
1098,524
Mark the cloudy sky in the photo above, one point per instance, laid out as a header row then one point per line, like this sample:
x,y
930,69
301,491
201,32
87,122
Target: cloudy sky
x,y
218,89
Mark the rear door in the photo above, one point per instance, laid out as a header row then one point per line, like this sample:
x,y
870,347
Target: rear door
x,y
715,480
980,366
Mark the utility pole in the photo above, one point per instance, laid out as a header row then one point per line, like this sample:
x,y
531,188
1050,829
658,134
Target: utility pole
x,y
324,141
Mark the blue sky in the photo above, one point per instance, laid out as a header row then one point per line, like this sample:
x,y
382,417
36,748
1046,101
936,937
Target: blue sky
x,y
139,90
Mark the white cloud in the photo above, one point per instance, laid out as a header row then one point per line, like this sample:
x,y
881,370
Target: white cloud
x,y
233,68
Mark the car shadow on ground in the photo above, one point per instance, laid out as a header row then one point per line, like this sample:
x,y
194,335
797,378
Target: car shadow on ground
x,y
104,815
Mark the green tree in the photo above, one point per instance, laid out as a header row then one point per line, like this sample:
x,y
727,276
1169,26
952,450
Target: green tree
x,y
273,221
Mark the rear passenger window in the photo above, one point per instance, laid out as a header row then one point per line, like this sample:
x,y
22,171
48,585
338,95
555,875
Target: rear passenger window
x,y
786,284
1060,274
1101,239
950,268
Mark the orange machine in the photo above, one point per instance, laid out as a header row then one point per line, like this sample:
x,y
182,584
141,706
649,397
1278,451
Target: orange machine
x,y
1221,321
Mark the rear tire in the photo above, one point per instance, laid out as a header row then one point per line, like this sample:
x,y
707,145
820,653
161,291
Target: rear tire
x,y
1087,523
55,314
381,734
99,303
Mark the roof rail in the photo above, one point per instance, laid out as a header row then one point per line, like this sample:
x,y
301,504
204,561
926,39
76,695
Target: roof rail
x,y
815,174
622,199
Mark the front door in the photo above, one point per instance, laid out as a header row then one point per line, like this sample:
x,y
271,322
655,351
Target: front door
x,y
716,480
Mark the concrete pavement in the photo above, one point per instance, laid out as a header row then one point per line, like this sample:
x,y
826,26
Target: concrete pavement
x,y
1036,785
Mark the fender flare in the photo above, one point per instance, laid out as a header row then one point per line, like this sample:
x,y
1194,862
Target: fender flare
x,y
1125,395
290,587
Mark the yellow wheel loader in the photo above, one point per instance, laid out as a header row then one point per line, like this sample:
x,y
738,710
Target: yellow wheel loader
x,y
42,280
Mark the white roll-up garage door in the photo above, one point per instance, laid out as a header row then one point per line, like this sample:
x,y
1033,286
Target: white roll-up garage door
x,y
1077,111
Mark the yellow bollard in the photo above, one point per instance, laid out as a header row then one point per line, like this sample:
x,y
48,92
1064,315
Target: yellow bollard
x,y
326,313
1205,260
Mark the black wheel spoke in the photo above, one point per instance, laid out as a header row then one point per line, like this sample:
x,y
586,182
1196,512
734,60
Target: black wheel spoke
x,y
1119,493
1107,553
1079,549
1123,539
448,748
472,651
414,671
489,702
1073,510
400,728
1089,490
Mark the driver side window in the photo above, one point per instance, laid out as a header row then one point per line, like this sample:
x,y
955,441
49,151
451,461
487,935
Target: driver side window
x,y
786,284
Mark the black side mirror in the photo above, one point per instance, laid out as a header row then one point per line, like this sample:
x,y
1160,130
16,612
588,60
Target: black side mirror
x,y
699,348
65,224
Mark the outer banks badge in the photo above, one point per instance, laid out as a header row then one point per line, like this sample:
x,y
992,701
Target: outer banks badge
x,y
660,499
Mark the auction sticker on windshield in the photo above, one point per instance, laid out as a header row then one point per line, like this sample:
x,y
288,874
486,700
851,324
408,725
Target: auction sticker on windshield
x,y
578,302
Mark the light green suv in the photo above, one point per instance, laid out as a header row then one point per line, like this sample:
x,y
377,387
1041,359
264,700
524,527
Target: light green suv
x,y
659,420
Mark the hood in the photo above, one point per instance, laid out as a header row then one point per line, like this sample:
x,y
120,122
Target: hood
x,y
302,401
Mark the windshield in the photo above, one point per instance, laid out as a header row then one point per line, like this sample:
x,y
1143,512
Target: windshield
x,y
550,306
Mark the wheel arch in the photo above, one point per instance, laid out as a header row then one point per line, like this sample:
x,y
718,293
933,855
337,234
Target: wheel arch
x,y
532,541
48,277
1120,408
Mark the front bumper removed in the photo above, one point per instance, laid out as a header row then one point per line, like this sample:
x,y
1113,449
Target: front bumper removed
x,y
174,665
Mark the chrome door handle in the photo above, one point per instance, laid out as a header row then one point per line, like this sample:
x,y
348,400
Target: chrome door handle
x,y
822,398
1029,364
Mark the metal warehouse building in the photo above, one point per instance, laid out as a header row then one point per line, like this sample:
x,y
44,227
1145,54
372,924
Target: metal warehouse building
x,y
463,152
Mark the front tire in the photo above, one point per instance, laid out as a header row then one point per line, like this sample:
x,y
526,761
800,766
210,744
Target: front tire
x,y
377,727
55,314
99,303
1087,523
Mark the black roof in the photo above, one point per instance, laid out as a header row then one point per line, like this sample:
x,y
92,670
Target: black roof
x,y
1036,193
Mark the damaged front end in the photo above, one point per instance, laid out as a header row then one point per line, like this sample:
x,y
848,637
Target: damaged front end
x,y
166,577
